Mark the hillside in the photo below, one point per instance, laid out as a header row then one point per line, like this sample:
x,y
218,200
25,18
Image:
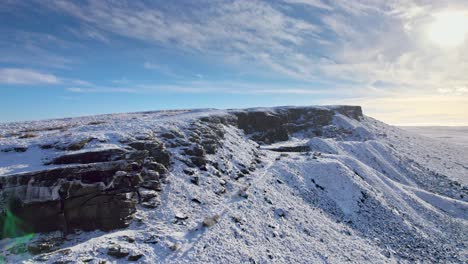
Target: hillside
x,y
322,184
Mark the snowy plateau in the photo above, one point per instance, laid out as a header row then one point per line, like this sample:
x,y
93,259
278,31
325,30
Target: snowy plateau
x,y
318,184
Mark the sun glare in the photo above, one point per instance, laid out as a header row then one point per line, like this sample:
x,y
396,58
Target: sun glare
x,y
449,28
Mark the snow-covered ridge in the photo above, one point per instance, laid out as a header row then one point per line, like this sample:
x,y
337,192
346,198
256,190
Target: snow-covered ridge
x,y
287,184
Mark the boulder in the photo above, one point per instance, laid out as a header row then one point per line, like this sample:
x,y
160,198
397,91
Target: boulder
x,y
211,221
117,251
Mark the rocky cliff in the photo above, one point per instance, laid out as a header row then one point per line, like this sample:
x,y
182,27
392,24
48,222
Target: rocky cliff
x,y
99,189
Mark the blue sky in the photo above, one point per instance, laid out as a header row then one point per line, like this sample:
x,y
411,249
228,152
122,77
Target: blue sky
x,y
395,58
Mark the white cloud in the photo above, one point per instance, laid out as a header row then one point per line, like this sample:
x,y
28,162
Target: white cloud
x,y
239,27
313,3
201,86
371,44
363,41
98,89
26,77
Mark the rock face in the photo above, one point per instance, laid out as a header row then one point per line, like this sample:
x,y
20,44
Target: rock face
x,y
79,197
99,191
269,126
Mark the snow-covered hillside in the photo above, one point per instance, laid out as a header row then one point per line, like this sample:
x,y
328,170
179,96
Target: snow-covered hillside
x,y
264,185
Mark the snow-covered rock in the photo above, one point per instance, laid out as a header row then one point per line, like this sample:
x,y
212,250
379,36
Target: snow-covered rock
x,y
284,185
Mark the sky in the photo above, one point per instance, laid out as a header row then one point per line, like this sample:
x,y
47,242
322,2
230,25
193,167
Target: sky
x,y
404,61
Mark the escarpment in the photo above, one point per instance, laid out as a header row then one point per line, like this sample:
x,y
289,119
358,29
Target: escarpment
x,y
100,188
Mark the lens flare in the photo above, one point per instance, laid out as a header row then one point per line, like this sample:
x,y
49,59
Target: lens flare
x,y
15,229
449,28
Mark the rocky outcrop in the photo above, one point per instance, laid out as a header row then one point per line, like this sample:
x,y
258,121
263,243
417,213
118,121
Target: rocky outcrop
x,y
99,191
277,124
79,197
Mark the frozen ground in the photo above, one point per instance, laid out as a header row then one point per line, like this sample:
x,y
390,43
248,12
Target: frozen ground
x,y
452,134
367,193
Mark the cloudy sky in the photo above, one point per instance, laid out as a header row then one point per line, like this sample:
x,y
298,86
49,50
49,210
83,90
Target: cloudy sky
x,y
404,61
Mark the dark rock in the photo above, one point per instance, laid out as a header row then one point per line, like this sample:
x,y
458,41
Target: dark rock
x,y
40,247
116,251
129,239
258,121
181,216
243,193
168,136
280,213
211,221
135,257
196,151
151,175
15,149
137,155
152,185
78,144
237,219
62,262
209,147
156,150
354,112
224,119
195,200
95,123
27,135
20,149
47,146
304,148
86,202
195,180
245,171
150,204
272,136
161,169
198,161
239,175
189,172
148,195
269,126
90,157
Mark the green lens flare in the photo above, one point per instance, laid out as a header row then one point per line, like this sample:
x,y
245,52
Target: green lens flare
x,y
16,230
14,226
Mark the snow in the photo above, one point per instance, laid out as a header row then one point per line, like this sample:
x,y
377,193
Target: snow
x,y
451,134
374,195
